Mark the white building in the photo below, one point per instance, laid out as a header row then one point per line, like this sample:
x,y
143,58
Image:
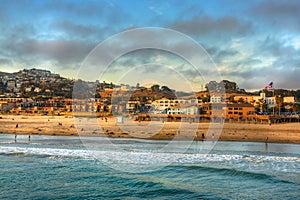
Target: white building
x,y
289,99
11,85
216,99
271,100
187,109
37,90
164,104
28,89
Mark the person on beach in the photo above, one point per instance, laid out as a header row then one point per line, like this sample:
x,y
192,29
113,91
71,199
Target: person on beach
x,y
196,136
203,137
266,141
17,125
29,137
15,137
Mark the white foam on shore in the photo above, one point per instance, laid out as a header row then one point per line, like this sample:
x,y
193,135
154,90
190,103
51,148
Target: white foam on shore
x,y
141,159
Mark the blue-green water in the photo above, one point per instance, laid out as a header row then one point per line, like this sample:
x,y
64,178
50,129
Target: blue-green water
x,y
53,167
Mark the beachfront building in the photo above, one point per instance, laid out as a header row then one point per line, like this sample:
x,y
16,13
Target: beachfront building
x,y
289,99
251,99
6,106
163,104
216,99
90,105
228,111
239,110
185,109
132,106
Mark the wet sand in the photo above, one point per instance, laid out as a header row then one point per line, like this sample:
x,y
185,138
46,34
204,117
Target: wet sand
x,y
63,125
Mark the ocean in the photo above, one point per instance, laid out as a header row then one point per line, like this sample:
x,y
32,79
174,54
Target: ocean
x,y
67,167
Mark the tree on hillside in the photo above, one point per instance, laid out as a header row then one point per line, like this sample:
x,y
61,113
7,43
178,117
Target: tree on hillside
x,y
166,89
241,100
155,88
279,102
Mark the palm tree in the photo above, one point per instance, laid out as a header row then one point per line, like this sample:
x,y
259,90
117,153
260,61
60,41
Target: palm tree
x,y
279,101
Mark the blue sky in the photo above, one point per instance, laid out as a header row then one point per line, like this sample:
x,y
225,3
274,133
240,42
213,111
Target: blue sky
x,y
251,42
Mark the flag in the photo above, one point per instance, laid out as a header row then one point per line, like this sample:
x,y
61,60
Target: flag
x,y
270,85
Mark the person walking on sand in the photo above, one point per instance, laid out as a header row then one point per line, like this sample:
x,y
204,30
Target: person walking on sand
x,y
29,137
17,125
266,141
15,137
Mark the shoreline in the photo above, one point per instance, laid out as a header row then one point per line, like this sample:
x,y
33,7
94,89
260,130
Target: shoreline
x,y
101,127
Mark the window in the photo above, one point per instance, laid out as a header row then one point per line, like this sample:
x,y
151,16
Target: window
x,y
230,113
229,108
240,108
240,113
235,113
235,108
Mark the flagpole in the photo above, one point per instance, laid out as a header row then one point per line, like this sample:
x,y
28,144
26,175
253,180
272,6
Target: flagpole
x,y
274,102
267,88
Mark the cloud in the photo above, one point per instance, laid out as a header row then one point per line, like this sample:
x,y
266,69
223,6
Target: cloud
x,y
97,12
4,61
219,55
204,25
276,47
82,32
282,14
61,53
2,15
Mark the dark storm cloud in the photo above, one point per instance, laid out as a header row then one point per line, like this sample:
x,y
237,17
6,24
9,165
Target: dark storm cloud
x,y
203,25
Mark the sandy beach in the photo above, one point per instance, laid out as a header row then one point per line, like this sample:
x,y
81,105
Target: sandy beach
x,y
108,127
